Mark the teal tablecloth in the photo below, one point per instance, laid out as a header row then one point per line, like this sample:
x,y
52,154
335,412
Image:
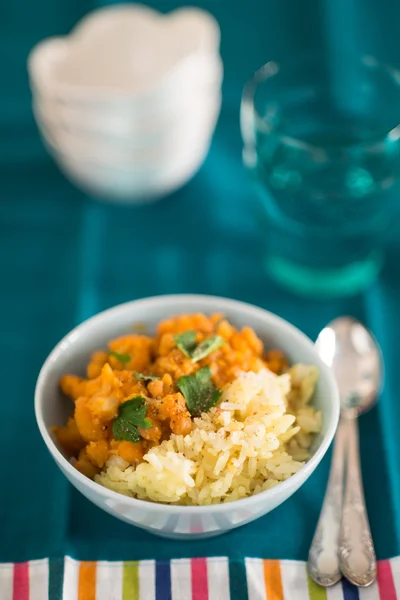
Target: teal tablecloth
x,y
64,257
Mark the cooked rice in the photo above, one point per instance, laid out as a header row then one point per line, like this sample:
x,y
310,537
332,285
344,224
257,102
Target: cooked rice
x,y
259,435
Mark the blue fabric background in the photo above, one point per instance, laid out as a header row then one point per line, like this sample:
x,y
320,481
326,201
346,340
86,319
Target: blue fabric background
x,y
64,257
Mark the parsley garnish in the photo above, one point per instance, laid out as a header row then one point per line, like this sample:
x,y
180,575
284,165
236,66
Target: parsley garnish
x,y
131,415
186,342
199,391
143,377
209,345
123,358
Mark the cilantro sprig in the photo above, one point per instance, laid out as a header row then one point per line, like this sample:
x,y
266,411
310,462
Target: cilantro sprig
x,y
207,346
123,358
199,391
186,342
131,415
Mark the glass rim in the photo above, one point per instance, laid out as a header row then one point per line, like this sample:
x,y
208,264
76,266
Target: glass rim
x,y
249,112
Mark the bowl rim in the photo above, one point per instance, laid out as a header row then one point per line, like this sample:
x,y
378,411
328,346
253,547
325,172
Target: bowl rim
x,y
295,480
41,80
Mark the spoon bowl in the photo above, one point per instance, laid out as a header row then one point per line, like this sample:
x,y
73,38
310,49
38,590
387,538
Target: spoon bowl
x,y
354,356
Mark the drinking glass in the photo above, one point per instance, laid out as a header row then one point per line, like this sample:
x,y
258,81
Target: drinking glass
x,y
322,142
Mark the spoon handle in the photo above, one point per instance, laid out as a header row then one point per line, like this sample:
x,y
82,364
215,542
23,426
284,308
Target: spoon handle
x,y
323,558
356,553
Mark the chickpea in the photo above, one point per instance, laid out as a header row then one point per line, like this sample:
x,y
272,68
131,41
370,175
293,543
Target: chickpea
x,y
181,424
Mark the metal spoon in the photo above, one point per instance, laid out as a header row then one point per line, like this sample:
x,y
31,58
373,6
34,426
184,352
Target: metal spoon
x,y
342,542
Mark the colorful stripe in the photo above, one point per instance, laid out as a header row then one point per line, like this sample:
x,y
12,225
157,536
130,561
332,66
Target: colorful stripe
x,y
238,581
199,579
183,579
21,581
386,581
315,591
87,581
273,580
56,579
350,592
130,586
163,580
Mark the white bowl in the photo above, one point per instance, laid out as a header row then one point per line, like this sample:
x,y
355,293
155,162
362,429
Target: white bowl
x,y
186,522
128,101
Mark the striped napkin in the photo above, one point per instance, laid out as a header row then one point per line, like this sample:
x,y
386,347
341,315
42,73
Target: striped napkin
x,y
183,579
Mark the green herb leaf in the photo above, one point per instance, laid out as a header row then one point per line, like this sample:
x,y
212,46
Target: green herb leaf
x,y
143,377
199,391
123,358
186,342
209,345
131,415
